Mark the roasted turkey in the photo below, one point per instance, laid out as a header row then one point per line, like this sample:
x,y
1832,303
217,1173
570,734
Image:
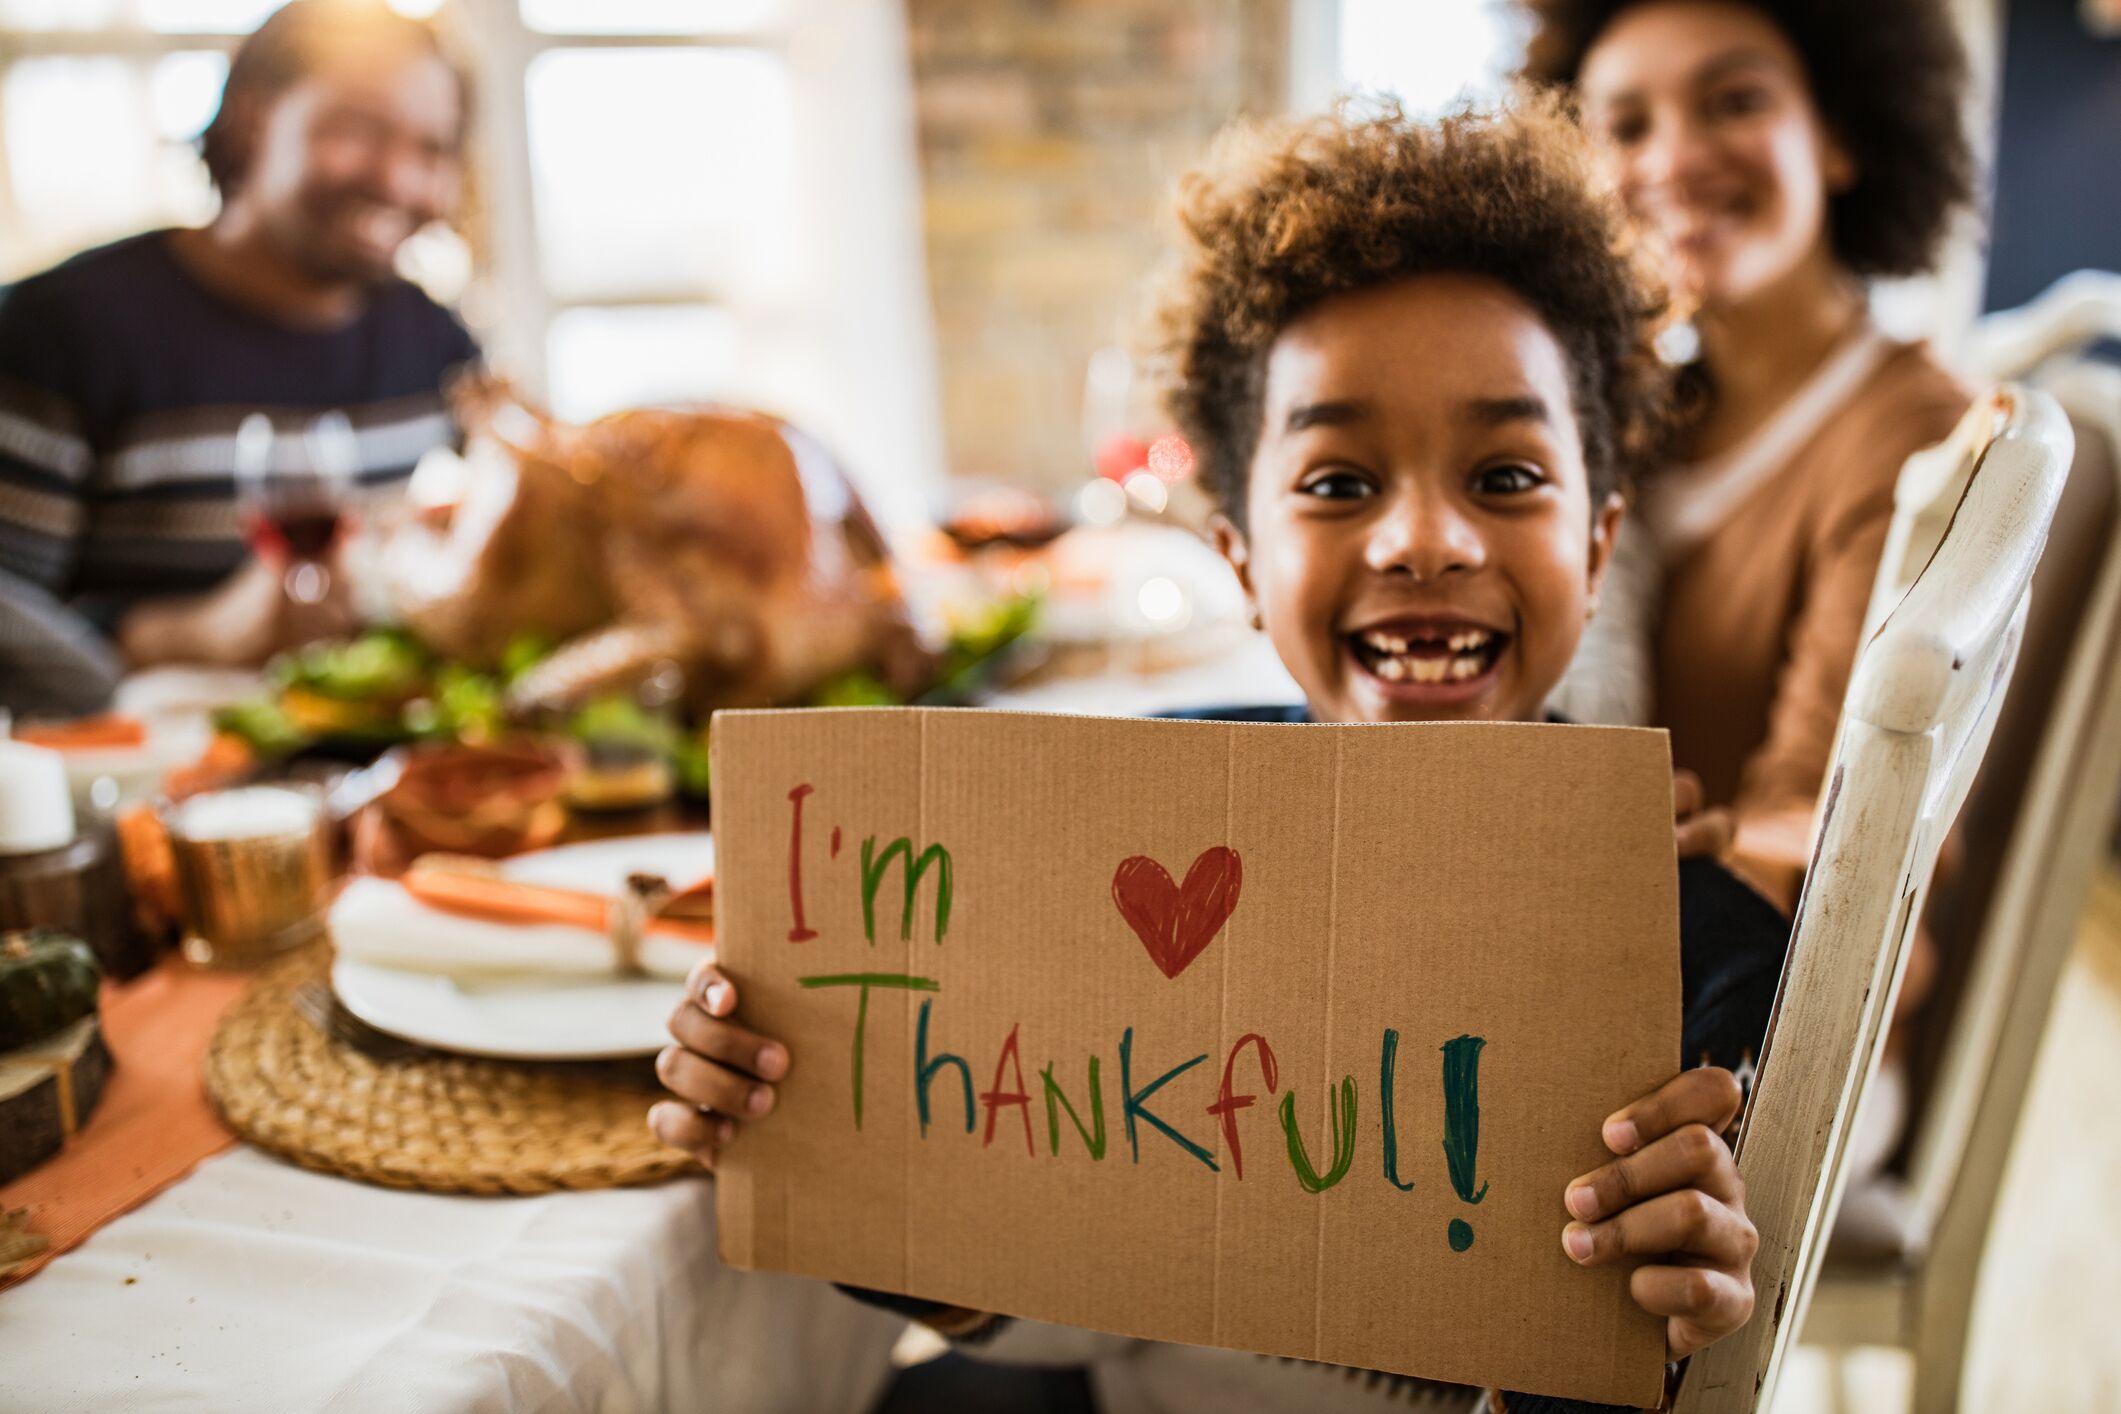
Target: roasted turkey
x,y
727,542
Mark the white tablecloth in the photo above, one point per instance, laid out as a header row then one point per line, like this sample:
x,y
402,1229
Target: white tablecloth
x,y
255,1285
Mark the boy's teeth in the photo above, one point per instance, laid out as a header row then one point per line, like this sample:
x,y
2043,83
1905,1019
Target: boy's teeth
x,y
1459,656
1385,642
1463,641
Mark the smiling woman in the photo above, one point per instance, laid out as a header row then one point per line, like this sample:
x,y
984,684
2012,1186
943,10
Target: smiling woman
x,y
1781,152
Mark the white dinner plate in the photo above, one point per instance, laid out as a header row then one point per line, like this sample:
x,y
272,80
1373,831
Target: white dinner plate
x,y
538,1017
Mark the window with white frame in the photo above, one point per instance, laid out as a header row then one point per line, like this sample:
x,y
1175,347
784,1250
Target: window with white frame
x,y
675,199
640,166
100,101
1428,54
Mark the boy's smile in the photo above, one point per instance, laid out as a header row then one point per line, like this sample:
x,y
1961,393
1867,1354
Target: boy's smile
x,y
1419,537
1429,661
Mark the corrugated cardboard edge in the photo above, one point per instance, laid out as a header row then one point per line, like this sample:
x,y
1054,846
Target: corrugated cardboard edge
x,y
735,1202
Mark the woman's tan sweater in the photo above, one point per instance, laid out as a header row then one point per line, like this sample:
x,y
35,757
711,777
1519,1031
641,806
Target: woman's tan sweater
x,y
1760,619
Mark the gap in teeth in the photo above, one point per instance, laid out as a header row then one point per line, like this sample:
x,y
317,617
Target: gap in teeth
x,y
1467,658
1462,641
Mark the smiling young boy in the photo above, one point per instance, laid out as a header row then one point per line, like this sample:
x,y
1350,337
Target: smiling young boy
x,y
1414,366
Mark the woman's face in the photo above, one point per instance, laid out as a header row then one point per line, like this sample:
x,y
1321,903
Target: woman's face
x,y
355,157
1419,535
1706,122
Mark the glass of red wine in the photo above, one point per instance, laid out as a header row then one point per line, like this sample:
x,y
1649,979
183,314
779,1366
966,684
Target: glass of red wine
x,y
294,507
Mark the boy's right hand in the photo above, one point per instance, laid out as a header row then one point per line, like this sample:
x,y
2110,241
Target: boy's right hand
x,y
721,1072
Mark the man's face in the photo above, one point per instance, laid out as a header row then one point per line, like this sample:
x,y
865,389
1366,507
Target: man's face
x,y
356,156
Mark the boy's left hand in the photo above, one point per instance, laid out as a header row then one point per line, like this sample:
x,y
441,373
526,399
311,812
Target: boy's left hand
x,y
1674,1197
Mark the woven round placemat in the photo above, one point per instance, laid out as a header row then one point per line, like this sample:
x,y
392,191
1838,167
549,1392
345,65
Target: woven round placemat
x,y
297,1076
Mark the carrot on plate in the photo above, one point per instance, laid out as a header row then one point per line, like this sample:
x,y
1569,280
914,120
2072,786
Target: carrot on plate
x,y
111,730
487,895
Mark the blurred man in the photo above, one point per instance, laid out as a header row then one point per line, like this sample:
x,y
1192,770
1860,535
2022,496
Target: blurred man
x,y
126,370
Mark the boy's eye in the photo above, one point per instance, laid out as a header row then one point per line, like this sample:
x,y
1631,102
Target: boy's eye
x,y
1506,480
1336,484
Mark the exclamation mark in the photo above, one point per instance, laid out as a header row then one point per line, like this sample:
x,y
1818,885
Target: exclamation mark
x,y
1461,1126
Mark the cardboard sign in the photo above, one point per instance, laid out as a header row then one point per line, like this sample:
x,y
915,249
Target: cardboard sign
x,y
1281,1038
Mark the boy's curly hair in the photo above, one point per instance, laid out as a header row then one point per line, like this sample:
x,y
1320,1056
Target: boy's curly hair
x,y
1890,80
1287,213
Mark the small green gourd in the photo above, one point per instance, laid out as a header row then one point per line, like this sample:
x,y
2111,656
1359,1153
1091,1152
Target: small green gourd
x,y
47,979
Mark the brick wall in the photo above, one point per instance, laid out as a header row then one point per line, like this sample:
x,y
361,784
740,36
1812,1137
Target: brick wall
x,y
1050,133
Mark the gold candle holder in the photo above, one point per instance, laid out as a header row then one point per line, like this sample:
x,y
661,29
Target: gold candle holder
x,y
253,867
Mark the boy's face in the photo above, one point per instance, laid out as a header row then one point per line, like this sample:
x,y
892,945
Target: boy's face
x,y
1420,540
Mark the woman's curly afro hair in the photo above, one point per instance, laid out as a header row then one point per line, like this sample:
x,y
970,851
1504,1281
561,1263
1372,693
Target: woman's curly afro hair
x,y
1286,214
1889,78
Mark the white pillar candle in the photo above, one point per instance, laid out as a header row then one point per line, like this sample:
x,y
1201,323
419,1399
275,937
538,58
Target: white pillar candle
x,y
246,813
36,808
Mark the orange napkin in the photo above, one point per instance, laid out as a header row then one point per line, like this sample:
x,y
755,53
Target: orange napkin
x,y
154,1124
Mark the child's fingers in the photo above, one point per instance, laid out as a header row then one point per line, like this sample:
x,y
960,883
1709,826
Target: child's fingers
x,y
957,1322
1687,794
1693,1156
683,1127
1701,1304
1708,832
700,1081
728,1042
1688,1223
1696,829
1707,1095
715,992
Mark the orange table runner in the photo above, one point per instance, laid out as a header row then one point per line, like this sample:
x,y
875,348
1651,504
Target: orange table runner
x,y
155,1122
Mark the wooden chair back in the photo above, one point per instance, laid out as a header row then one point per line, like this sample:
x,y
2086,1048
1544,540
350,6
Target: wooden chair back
x,y
2033,828
1921,705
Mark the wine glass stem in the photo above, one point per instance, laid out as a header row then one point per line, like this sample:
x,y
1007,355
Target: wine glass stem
x,y
307,582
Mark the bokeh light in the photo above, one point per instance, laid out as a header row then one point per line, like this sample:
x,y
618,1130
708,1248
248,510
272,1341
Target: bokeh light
x,y
1147,491
1101,502
1161,601
1171,458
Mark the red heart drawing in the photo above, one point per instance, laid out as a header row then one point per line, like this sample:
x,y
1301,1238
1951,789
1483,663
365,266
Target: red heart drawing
x,y
1176,921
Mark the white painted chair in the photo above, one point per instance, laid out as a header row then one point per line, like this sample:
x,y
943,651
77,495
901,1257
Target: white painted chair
x,y
2036,824
1922,703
